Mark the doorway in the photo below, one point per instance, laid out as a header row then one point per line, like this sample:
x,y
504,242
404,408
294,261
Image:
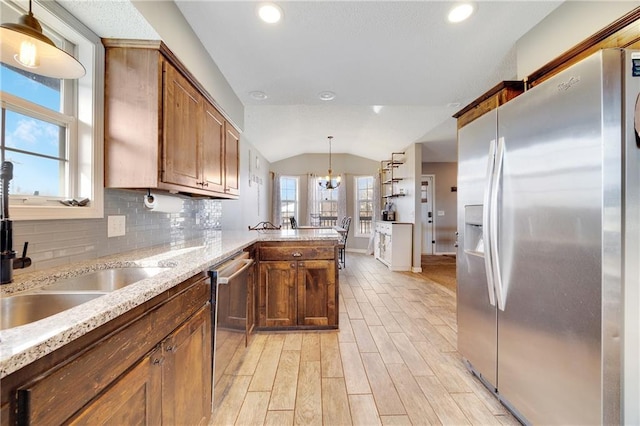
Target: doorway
x,y
427,202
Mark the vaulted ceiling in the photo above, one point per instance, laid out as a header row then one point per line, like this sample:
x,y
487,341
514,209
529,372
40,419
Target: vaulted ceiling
x,y
404,58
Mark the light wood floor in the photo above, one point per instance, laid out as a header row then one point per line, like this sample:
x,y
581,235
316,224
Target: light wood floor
x,y
393,361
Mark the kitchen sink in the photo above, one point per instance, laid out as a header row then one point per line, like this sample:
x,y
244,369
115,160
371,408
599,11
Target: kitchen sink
x,y
26,308
104,280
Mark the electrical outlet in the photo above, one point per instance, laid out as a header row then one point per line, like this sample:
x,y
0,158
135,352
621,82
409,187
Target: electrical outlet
x,y
116,226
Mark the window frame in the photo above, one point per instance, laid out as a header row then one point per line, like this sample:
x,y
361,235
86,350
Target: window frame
x,y
86,180
319,200
296,201
356,206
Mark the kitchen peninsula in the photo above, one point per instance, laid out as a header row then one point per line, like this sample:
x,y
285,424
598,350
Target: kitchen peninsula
x,y
148,327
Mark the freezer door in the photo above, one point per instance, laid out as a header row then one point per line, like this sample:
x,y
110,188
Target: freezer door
x,y
477,329
557,140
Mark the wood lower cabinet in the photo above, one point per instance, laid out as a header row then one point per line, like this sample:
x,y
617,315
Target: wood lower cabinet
x,y
162,129
132,399
186,391
278,294
298,285
151,365
316,292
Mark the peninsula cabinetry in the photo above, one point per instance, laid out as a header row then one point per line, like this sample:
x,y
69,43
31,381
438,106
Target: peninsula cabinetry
x,y
151,365
162,129
298,285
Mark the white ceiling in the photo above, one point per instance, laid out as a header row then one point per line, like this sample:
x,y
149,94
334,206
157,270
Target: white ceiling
x,y
403,56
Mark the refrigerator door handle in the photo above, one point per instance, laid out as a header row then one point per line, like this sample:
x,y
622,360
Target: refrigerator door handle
x,y
493,224
486,225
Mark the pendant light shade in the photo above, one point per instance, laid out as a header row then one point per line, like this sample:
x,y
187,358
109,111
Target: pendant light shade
x,y
24,46
329,182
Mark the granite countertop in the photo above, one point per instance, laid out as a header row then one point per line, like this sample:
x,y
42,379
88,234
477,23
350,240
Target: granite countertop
x,y
19,346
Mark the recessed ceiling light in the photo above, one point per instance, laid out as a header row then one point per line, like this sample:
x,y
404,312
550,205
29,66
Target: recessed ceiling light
x,y
377,109
270,13
460,12
258,95
326,95
453,105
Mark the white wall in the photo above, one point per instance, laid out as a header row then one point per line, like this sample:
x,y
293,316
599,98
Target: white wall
x,y
254,204
408,207
167,20
568,25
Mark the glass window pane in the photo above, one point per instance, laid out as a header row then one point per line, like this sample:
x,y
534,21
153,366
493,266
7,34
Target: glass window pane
x,y
34,175
40,90
32,135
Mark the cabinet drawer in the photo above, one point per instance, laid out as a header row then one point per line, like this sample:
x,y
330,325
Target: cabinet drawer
x,y
297,253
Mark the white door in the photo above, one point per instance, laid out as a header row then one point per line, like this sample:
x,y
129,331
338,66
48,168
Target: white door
x,y
426,195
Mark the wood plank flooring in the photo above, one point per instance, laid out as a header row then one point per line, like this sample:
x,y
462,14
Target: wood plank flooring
x,y
393,362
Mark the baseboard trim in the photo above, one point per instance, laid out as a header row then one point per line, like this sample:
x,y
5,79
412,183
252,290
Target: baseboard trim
x,y
446,253
352,250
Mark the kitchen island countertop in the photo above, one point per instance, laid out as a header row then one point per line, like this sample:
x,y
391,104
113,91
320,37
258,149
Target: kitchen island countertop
x,y
19,346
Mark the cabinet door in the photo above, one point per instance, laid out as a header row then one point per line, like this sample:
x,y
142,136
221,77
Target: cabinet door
x,y
232,160
277,300
212,161
133,399
181,130
317,292
186,371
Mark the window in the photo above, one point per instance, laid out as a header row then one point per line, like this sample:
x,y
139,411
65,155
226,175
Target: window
x,y
288,200
327,209
51,129
363,205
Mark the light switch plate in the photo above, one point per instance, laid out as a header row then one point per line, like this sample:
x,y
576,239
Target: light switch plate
x,y
116,226
440,212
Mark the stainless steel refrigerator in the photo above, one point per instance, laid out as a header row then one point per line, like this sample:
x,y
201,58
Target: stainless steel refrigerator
x,y
548,222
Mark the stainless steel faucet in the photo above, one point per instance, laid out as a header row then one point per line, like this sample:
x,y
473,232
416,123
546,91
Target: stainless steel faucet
x,y
8,260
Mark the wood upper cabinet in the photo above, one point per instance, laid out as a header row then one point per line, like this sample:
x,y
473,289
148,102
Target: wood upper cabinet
x,y
298,285
182,122
162,129
213,149
232,160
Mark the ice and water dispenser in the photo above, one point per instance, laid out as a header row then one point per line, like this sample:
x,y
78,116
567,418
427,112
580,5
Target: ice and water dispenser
x,y
473,242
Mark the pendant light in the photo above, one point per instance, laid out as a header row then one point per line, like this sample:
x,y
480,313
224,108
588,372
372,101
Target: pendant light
x,y
24,46
329,182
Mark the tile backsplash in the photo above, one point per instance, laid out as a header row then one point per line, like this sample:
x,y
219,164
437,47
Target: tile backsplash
x,y
61,242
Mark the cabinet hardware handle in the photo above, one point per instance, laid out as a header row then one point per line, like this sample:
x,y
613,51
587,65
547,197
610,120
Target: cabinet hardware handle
x,y
293,265
171,348
157,361
297,254
205,184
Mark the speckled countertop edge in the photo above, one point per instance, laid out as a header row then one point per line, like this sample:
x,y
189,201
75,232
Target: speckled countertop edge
x,y
23,345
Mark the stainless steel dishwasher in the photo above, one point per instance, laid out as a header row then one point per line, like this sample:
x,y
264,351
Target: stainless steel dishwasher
x,y
233,308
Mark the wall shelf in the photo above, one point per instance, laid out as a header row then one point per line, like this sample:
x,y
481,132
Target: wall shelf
x,y
387,167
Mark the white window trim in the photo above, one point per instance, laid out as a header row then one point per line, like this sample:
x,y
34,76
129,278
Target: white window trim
x,y
90,123
356,209
296,208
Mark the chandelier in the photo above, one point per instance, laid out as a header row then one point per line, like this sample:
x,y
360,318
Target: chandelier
x,y
329,181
